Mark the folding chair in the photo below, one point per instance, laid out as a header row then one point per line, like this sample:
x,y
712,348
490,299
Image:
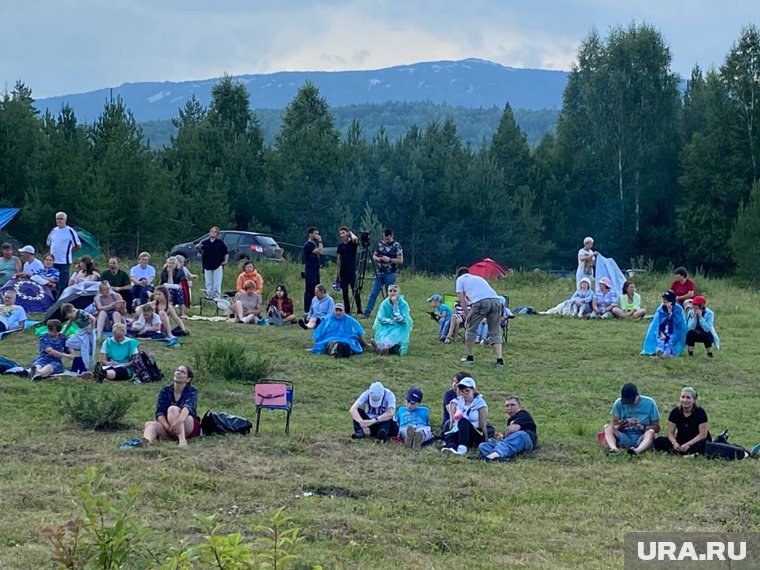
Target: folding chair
x,y
449,300
505,322
273,395
222,303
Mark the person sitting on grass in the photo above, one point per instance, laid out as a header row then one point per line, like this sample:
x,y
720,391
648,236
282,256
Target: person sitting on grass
x,y
629,303
32,266
280,308
50,273
322,306
170,279
246,307
142,276
700,327
148,324
176,410
163,307
52,351
414,421
469,415
441,313
86,271
604,301
111,308
250,273
449,397
688,430
635,421
372,413
12,316
393,324
666,334
83,340
339,334
580,302
9,264
457,320
683,287
117,355
520,435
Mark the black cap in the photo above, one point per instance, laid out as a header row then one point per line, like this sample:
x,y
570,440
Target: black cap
x,y
628,394
669,296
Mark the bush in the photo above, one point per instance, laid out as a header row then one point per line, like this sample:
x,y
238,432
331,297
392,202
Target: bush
x,y
93,408
230,360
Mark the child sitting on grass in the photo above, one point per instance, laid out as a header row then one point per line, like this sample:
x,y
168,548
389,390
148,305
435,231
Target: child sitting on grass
x,y
581,299
414,421
441,313
52,351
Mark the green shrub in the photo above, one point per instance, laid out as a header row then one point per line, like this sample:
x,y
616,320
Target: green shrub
x,y
94,408
230,360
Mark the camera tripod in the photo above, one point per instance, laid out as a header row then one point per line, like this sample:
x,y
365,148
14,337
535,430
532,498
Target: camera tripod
x,y
364,257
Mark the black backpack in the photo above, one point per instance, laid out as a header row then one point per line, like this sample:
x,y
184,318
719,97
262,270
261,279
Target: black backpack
x,y
339,349
146,368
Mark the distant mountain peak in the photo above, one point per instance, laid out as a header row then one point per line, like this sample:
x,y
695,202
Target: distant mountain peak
x,y
469,82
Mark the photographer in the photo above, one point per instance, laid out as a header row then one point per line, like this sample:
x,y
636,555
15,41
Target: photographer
x,y
312,249
345,274
388,256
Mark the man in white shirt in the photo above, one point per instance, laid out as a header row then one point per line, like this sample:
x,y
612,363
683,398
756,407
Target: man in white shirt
x,y
63,241
32,266
484,304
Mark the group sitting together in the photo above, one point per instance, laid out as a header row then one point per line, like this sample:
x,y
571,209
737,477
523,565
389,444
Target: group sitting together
x,y
465,421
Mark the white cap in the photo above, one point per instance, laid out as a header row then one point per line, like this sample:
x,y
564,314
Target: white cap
x,y
26,249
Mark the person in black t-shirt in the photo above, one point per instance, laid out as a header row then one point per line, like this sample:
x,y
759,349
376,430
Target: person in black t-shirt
x,y
688,430
214,257
520,435
346,272
312,249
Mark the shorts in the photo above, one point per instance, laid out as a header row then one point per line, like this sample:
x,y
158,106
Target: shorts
x,y
628,440
195,432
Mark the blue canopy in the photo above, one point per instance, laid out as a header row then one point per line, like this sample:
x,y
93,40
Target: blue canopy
x,y
6,215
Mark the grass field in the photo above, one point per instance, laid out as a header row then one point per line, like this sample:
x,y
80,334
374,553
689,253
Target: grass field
x,y
566,505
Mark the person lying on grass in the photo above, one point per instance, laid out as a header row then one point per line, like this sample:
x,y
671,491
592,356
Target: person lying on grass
x,y
520,435
635,421
414,421
52,351
117,354
176,415
372,413
469,415
688,430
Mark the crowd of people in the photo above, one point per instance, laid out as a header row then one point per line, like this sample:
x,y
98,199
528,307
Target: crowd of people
x,y
151,303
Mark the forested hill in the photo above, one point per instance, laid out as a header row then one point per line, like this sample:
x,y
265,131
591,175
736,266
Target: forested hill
x,y
468,83
474,126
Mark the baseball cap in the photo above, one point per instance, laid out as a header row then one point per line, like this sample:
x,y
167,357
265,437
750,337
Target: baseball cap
x,y
669,296
340,306
466,383
376,393
26,249
606,281
699,300
628,394
414,395
435,297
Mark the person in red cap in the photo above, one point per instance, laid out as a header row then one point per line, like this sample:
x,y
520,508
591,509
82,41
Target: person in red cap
x,y
700,327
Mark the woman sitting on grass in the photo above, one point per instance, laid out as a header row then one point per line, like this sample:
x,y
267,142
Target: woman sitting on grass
x,y
580,302
52,351
688,430
469,415
250,273
246,308
322,306
629,303
85,271
393,324
111,308
171,277
176,415
280,307
117,354
165,311
700,327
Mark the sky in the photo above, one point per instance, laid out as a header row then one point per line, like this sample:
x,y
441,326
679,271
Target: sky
x,y
59,47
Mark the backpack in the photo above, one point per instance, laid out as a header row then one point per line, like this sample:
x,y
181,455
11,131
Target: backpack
x,y
146,369
222,423
339,349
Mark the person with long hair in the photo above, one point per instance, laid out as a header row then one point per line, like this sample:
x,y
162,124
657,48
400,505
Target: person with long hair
x,y
164,309
176,410
86,271
280,307
688,430
469,417
110,306
171,277
629,303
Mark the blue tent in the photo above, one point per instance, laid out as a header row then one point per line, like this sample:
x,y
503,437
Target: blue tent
x,y
6,215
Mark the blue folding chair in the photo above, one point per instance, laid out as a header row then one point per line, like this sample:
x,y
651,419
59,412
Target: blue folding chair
x,y
273,394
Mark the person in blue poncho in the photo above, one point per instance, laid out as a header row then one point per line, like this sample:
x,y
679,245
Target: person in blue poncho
x,y
393,324
666,335
339,332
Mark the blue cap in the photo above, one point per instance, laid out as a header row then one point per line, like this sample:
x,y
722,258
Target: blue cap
x,y
435,297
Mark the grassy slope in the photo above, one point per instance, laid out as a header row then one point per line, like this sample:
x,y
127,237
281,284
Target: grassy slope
x,y
569,505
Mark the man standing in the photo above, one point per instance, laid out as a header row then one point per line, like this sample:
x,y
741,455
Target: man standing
x,y
214,257
119,281
63,241
346,272
388,256
519,436
32,265
484,303
635,421
312,249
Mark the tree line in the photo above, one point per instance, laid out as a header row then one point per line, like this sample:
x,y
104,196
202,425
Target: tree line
x,y
649,171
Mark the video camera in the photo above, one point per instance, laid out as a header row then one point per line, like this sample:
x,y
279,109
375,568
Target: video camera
x,y
364,238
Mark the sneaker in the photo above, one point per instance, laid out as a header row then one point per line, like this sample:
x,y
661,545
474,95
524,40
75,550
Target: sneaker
x,y
482,341
500,363
449,450
302,324
447,340
382,435
467,360
632,451
410,435
358,434
478,340
419,439
33,374
98,373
